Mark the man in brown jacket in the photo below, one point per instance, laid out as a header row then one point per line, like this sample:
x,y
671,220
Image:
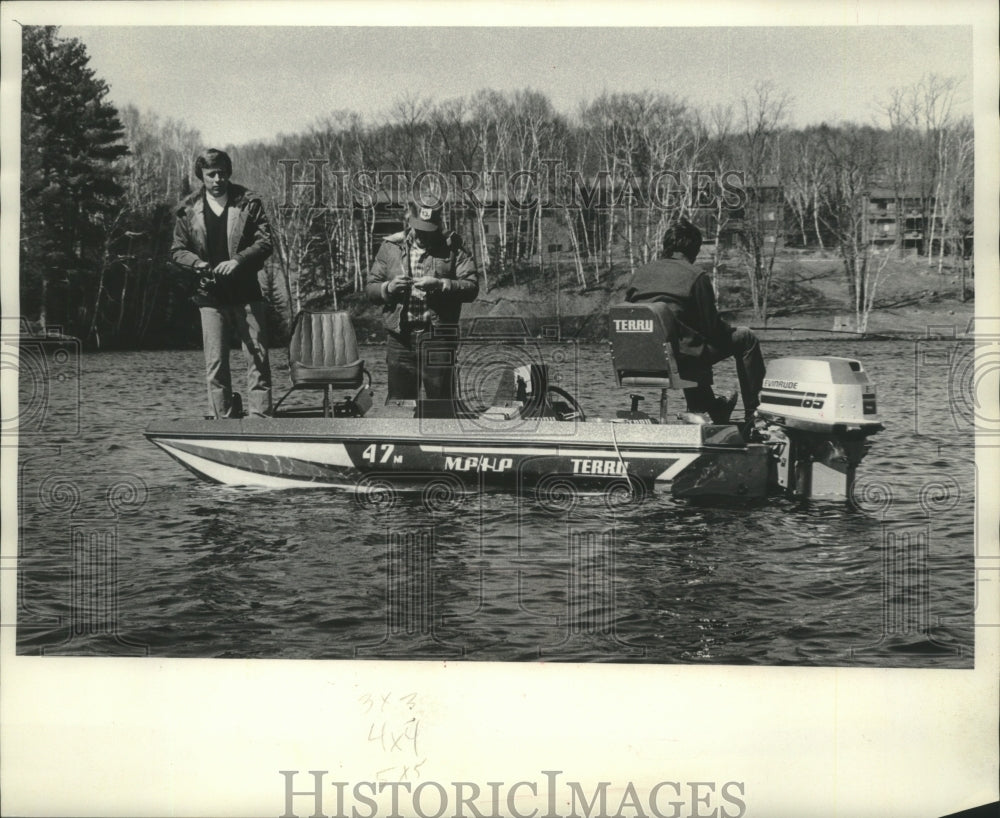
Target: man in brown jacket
x,y
421,277
221,230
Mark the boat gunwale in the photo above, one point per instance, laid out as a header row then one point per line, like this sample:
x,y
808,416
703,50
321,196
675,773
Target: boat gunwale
x,y
163,435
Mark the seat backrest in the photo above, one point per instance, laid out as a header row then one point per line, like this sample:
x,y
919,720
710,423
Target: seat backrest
x,y
643,345
323,339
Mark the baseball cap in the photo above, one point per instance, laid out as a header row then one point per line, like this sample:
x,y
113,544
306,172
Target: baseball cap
x,y
425,219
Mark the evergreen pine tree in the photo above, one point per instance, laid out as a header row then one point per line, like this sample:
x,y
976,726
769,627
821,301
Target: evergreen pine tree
x,y
70,139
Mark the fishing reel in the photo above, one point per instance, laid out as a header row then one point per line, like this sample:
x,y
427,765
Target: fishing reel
x,y
201,279
421,314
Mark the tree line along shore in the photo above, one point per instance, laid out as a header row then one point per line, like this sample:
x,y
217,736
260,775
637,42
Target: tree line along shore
x,y
861,226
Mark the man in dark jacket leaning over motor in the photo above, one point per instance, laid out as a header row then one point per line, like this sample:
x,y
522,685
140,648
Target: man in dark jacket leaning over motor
x,y
704,338
421,277
221,230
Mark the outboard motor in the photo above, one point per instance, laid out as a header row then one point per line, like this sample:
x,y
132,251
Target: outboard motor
x,y
816,415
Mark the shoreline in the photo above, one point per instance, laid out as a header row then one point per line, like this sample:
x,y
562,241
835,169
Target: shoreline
x,y
956,323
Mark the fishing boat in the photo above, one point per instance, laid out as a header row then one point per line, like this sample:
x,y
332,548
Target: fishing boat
x,y
811,431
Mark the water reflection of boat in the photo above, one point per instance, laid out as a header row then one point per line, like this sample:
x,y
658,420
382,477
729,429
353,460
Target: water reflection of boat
x,y
815,417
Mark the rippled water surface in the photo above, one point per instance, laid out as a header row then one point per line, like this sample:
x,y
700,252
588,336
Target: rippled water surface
x,y
122,552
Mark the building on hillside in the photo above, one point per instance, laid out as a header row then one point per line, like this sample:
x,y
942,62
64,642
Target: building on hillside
x,y
893,217
910,218
764,212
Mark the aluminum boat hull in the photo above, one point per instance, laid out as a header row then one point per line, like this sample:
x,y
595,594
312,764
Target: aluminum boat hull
x,y
521,454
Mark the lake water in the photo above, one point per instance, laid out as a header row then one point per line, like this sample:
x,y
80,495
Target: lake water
x,y
123,552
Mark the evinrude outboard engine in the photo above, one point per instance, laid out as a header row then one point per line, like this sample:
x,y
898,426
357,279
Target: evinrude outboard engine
x,y
816,415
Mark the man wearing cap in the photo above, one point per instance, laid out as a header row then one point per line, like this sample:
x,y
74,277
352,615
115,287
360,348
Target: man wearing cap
x,y
704,338
221,230
421,277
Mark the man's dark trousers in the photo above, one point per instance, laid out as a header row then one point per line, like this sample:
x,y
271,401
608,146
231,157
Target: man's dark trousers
x,y
745,349
420,358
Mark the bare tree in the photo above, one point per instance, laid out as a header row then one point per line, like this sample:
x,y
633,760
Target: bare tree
x,y
492,124
672,140
761,117
902,145
853,156
802,177
719,155
920,117
955,189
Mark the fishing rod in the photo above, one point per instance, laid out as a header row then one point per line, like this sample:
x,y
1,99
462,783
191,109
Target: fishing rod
x,y
811,329
854,333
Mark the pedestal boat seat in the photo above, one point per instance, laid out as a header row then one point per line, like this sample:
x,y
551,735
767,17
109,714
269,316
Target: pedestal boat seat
x,y
644,349
323,356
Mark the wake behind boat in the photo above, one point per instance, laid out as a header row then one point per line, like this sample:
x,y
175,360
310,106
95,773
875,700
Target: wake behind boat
x,y
812,430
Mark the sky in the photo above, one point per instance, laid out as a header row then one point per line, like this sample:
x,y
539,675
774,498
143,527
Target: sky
x,y
238,84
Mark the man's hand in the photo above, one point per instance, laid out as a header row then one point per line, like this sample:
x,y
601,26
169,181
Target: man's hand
x,y
399,285
201,265
226,267
429,284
